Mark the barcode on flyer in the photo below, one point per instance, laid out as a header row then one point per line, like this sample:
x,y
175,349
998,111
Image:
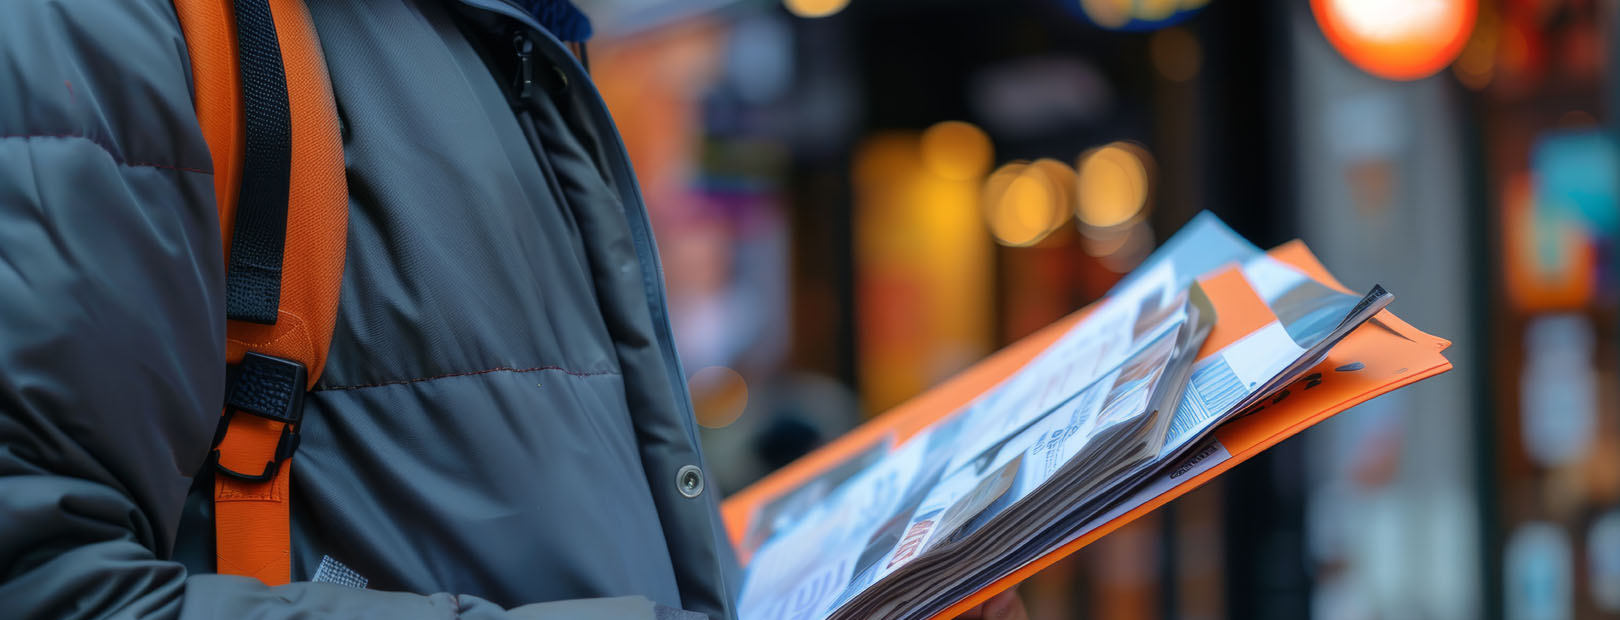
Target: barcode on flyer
x,y
1212,390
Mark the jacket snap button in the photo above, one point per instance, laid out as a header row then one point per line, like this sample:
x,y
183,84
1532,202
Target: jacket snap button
x,y
562,77
689,480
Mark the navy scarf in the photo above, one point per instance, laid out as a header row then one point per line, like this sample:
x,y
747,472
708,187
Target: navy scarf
x,y
561,17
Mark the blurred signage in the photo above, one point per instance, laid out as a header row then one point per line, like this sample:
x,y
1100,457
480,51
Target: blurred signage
x,y
1603,561
1397,39
1550,261
923,260
1558,395
1556,214
1575,175
1369,132
1040,95
1539,580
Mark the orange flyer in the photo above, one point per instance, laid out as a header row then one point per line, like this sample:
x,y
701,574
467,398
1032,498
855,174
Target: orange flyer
x,y
1382,355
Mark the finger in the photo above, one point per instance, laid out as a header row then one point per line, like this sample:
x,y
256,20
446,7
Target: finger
x,y
1005,606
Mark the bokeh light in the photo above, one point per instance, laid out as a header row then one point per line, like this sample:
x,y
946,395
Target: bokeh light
x,y
1176,54
1134,244
1476,65
957,150
1108,13
883,158
1577,119
719,396
1397,39
1156,10
814,8
1137,14
1112,185
1022,205
1064,180
1101,242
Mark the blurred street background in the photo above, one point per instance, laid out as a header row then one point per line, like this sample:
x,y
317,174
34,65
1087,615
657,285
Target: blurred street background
x,y
857,198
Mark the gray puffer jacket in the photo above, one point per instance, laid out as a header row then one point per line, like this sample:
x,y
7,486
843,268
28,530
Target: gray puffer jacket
x,y
502,416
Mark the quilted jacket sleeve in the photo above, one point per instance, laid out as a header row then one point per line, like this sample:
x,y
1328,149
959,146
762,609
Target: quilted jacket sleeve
x,y
112,333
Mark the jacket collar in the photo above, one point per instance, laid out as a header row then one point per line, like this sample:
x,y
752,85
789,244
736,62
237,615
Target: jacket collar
x,y
559,17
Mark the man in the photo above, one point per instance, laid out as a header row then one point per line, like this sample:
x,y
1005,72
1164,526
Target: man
x,y
501,419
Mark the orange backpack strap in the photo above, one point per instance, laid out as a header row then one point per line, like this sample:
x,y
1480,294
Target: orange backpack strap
x,y
265,106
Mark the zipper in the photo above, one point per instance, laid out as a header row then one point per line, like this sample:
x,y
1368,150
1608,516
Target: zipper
x,y
523,73
635,213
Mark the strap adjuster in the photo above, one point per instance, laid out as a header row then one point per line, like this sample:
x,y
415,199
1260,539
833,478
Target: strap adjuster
x,y
266,387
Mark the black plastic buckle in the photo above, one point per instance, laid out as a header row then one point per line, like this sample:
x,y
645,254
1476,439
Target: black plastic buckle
x,y
271,388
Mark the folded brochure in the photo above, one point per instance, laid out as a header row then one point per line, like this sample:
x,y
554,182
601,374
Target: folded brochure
x,y
1069,434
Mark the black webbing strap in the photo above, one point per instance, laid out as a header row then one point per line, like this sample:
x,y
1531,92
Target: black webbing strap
x,y
253,277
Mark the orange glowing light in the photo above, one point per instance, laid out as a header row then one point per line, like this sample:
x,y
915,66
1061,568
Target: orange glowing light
x,y
1113,185
1549,262
1476,64
1397,39
719,396
1022,205
1108,13
1176,54
956,150
814,8
1063,179
1156,10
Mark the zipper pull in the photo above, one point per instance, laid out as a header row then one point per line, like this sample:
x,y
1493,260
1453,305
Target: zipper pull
x,y
523,82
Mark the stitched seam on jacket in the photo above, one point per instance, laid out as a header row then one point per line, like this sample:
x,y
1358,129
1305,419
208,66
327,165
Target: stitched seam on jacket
x,y
116,159
468,373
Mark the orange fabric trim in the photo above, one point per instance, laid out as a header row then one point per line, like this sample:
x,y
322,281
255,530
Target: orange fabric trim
x,y
317,210
251,520
249,443
252,525
210,30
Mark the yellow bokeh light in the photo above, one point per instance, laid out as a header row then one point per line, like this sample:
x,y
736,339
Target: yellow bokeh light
x,y
883,158
923,270
1475,67
719,396
1176,54
1101,242
1112,184
1025,210
956,150
814,8
1156,10
1062,177
1022,204
1108,13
